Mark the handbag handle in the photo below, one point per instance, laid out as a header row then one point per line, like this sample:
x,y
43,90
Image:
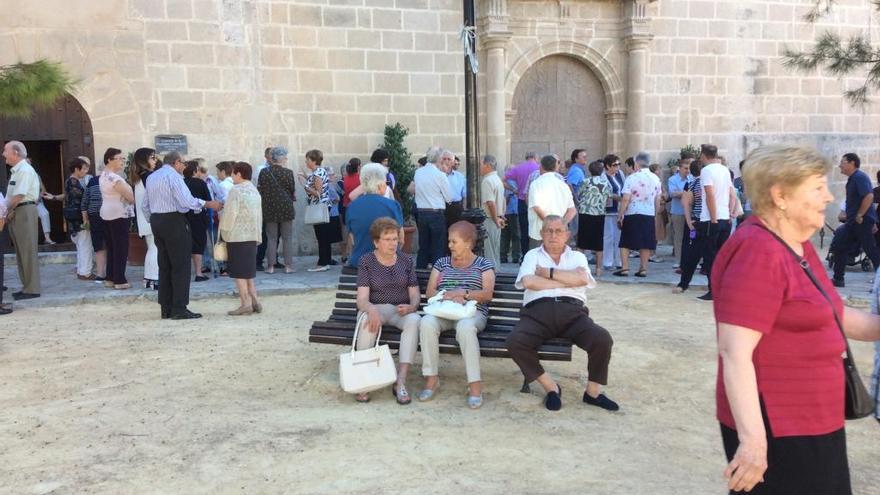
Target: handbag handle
x,y
361,321
806,267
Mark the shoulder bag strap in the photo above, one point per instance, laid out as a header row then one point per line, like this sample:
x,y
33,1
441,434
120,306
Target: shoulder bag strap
x,y
806,267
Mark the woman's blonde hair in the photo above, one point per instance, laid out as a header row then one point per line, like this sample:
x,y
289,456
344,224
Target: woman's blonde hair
x,y
779,165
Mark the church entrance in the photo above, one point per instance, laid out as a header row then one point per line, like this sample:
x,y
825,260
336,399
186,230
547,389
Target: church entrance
x,y
559,105
52,137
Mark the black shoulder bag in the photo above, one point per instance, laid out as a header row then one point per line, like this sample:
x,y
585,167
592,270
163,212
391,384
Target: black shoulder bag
x,y
858,402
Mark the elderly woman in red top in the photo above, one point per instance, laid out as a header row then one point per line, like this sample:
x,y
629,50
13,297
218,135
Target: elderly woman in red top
x,y
780,388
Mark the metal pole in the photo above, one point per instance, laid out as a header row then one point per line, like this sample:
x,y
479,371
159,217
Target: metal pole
x,y
472,213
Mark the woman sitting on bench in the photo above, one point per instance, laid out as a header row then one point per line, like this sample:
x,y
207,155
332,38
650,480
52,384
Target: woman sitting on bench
x,y
465,277
388,292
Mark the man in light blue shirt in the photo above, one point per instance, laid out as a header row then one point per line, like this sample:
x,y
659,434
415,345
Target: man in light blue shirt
x,y
457,188
675,186
574,178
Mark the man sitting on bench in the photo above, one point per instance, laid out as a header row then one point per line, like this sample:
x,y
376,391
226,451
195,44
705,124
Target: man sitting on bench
x,y
555,279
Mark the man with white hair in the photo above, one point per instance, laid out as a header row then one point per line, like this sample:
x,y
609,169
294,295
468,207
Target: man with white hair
x,y
4,309
365,209
548,195
638,205
492,198
431,195
23,192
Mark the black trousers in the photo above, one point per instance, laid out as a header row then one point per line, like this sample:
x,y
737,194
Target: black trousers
x,y
174,243
523,214
3,241
453,212
261,249
324,235
545,319
116,242
710,238
432,237
847,239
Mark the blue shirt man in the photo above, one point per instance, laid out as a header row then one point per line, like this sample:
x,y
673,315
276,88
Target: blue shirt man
x,y
857,187
361,214
676,184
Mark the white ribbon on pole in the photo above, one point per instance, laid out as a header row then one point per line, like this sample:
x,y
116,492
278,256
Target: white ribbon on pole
x,y
468,37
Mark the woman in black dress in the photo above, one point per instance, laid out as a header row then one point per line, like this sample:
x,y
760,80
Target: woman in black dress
x,y
198,222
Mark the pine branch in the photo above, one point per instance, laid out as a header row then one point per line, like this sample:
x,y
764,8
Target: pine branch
x,y
25,88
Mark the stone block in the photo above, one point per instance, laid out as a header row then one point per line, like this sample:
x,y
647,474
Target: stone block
x,y
170,30
205,10
308,58
334,102
450,22
282,80
777,105
787,86
381,61
363,39
279,13
179,9
425,84
763,86
414,62
387,19
181,100
411,4
426,21
305,15
795,123
273,56
332,37
430,42
205,31
173,77
300,36
393,40
147,9
223,99
821,124
701,10
683,46
157,53
389,82
203,78
437,124
450,85
339,17
327,123
295,102
811,87
365,123
365,18
352,81
702,65
350,145
192,54
318,81
408,104
830,105
448,62
705,104
231,55
693,29
714,47
271,35
374,104
346,59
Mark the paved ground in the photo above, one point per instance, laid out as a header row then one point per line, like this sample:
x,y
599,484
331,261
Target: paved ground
x,y
61,287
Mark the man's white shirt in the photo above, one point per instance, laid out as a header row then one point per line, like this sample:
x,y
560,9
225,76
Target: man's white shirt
x,y
717,176
569,260
552,195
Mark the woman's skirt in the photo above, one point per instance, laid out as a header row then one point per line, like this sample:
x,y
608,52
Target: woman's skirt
x,y
591,232
638,233
198,226
242,261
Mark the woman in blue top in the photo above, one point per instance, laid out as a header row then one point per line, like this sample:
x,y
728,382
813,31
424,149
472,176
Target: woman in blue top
x,y
611,236
465,277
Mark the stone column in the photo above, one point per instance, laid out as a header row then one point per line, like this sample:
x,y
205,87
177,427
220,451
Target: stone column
x,y
495,97
637,50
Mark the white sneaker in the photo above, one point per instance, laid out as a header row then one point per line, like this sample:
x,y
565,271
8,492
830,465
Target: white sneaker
x,y
319,268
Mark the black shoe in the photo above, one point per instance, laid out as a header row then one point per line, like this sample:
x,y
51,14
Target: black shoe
x,y
261,268
601,401
504,260
186,315
333,262
20,296
5,288
553,400
206,269
705,297
166,313
279,265
5,310
201,278
838,282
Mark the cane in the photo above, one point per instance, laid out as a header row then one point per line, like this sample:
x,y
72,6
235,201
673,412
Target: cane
x,y
213,241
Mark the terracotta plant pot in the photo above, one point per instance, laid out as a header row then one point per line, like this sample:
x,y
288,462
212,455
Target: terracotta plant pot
x,y
137,249
409,236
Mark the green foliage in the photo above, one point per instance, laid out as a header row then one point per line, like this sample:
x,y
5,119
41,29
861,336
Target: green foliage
x,y
28,87
401,165
691,150
839,56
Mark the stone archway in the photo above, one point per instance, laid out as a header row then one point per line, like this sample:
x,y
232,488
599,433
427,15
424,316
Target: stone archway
x,y
559,105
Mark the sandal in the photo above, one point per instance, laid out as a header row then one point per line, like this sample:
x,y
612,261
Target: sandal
x,y
362,398
475,402
621,273
642,273
428,393
401,394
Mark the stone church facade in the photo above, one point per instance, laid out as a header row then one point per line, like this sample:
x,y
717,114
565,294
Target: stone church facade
x,y
615,76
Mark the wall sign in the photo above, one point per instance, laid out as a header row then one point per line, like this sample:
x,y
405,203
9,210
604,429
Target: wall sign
x,y
171,142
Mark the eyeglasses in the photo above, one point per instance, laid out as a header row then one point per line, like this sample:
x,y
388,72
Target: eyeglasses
x,y
553,232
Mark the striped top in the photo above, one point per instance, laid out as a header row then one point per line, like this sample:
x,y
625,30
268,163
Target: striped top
x,y
92,199
697,204
167,193
387,284
325,187
470,278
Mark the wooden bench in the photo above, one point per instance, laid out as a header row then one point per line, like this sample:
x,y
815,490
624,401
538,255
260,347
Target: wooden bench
x,y
503,315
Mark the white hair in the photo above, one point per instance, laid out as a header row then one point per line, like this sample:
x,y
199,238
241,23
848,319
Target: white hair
x,y
18,148
372,177
434,154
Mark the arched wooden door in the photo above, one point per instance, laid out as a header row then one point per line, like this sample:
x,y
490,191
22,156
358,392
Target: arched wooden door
x,y
52,137
559,105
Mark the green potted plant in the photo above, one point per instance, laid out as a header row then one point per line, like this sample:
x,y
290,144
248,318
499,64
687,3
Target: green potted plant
x,y
400,164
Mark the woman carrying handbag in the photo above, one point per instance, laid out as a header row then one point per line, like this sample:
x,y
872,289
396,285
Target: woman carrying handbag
x,y
277,187
318,209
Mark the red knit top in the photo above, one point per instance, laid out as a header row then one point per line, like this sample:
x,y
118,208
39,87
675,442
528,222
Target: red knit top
x,y
758,284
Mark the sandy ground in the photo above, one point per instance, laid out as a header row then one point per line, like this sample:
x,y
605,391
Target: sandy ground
x,y
101,400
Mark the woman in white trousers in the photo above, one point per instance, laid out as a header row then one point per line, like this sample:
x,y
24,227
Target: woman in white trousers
x,y
145,160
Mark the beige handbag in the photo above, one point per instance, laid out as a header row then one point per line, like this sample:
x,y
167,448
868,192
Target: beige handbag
x,y
220,252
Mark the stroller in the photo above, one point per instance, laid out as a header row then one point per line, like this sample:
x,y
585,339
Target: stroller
x,y
856,257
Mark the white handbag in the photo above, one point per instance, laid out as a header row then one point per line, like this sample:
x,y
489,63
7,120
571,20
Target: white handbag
x,y
317,214
449,310
369,369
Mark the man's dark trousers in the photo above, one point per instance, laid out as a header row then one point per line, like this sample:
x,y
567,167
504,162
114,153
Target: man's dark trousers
x,y
261,249
174,243
432,237
850,236
710,237
522,209
2,266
